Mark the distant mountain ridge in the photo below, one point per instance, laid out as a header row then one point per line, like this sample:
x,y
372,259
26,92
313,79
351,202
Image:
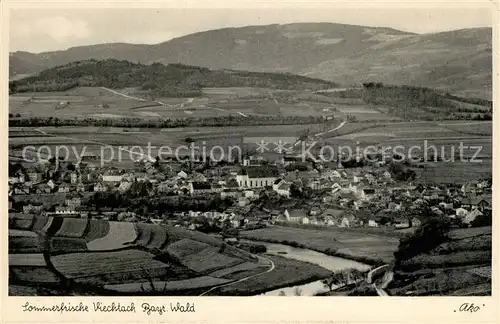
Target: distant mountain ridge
x,y
459,60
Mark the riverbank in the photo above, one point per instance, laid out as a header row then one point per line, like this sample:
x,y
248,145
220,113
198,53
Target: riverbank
x,y
287,272
351,246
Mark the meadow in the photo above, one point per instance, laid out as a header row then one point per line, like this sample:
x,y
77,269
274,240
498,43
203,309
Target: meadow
x,y
359,246
287,272
97,102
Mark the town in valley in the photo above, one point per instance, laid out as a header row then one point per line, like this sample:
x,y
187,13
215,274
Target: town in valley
x,y
262,180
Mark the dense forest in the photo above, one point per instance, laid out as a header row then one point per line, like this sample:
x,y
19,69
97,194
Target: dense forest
x,y
409,102
173,80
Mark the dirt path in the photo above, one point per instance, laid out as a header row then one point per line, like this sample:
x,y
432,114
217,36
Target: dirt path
x,y
333,129
131,97
243,279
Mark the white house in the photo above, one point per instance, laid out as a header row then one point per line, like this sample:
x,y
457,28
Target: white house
x,y
197,188
282,188
124,186
182,175
61,210
112,178
335,187
32,208
294,216
63,188
74,177
35,176
74,201
472,216
461,212
243,201
367,193
346,221
99,187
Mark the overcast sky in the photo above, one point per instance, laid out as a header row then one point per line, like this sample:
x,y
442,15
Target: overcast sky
x,y
38,30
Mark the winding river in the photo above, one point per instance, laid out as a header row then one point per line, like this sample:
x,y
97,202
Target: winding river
x,y
328,262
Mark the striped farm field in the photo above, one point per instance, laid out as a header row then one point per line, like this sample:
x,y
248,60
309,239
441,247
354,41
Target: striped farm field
x,y
33,275
209,260
177,233
238,253
232,271
23,233
21,221
158,238
96,229
30,268
39,223
25,244
185,247
72,228
99,263
144,233
53,226
120,235
27,259
176,285
47,225
121,256
462,233
67,245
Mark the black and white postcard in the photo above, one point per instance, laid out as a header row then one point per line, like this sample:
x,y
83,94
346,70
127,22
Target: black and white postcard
x,y
163,156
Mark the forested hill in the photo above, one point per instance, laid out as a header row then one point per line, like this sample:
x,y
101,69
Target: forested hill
x,y
164,80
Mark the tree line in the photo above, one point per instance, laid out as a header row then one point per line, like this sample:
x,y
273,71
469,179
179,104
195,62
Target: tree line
x,y
166,122
411,102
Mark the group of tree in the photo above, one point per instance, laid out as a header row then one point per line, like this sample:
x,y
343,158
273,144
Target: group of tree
x,y
412,102
172,80
344,277
432,233
141,200
165,122
401,172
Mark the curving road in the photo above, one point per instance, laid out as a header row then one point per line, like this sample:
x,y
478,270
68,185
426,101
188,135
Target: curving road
x,y
388,275
243,279
130,97
333,129
150,158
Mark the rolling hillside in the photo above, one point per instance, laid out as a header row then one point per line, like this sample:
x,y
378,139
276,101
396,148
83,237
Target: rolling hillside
x,y
122,257
457,264
459,61
175,80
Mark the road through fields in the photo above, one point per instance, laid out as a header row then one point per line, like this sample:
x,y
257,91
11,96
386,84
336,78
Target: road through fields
x,y
243,279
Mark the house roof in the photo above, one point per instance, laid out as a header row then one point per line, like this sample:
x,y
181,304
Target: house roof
x,y
201,185
260,171
296,213
350,217
335,213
